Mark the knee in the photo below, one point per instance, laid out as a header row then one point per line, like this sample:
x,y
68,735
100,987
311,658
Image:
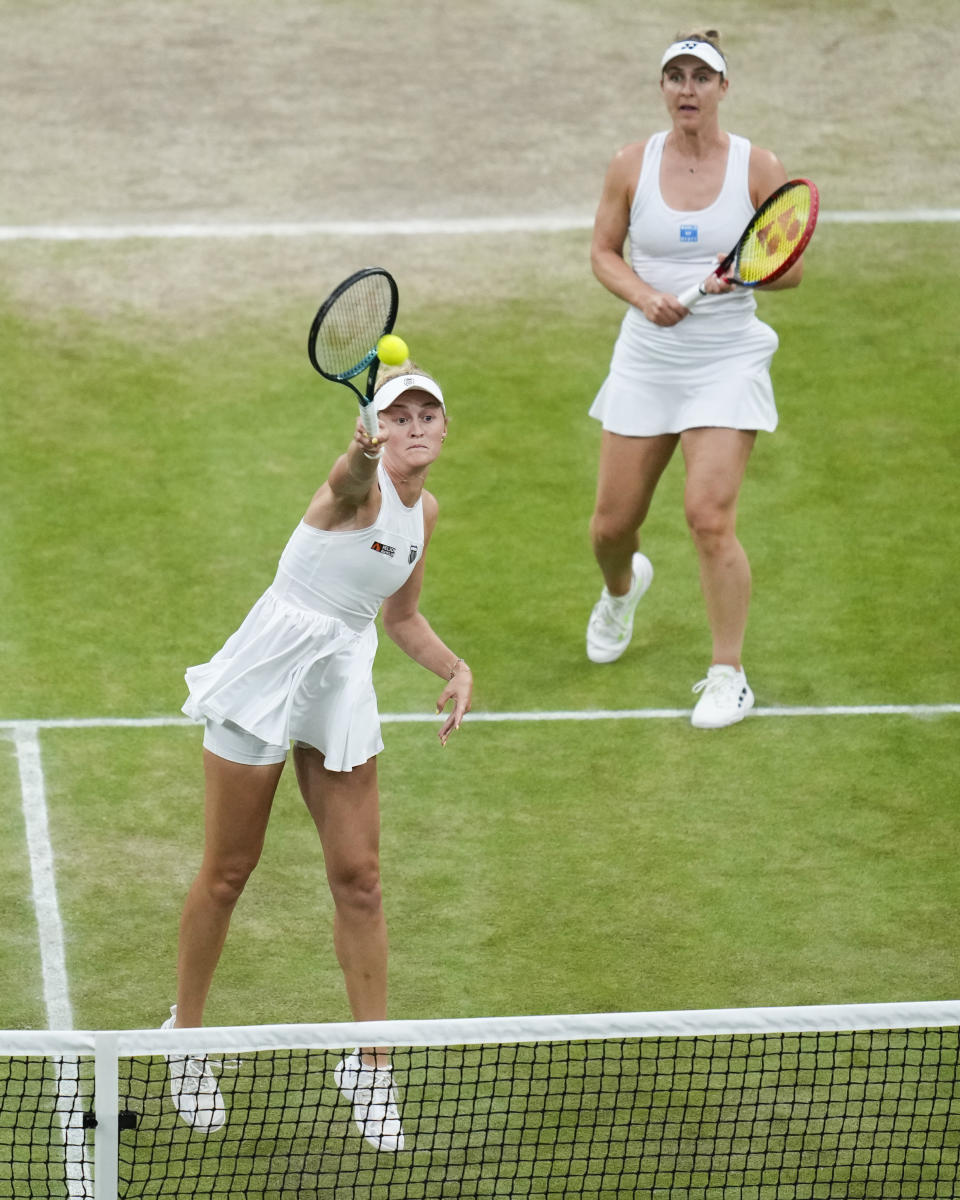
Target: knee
x,y
608,529
357,889
711,527
225,881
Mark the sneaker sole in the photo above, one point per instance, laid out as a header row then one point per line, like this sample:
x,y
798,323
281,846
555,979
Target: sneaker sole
x,y
735,720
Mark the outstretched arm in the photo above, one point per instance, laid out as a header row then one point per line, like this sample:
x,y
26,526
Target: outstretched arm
x,y
409,628
351,485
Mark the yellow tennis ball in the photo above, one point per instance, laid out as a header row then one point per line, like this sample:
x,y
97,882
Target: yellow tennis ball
x,y
392,350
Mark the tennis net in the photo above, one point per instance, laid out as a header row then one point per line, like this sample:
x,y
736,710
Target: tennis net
x,y
810,1103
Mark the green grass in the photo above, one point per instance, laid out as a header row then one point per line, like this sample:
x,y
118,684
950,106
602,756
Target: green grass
x,y
704,1116
148,485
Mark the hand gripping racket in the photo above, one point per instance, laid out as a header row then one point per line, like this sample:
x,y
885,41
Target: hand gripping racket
x,y
345,332
774,239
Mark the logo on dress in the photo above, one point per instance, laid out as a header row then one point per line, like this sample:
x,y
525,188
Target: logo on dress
x,y
689,233
382,548
413,553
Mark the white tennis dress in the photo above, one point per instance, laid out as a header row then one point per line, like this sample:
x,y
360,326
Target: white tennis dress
x,y
713,368
300,665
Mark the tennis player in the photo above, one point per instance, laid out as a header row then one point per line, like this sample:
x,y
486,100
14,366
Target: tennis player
x,y
299,669
696,378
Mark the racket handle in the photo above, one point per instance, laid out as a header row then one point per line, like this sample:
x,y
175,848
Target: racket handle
x,y
692,295
371,424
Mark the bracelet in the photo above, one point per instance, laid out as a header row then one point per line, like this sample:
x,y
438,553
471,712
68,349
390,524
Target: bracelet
x,y
453,669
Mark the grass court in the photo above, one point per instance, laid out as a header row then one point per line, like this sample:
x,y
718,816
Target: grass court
x,y
163,432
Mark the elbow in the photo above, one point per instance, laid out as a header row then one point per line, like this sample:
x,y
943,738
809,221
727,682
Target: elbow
x,y
597,258
393,627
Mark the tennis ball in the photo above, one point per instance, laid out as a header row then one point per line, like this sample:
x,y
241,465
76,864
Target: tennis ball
x,y
392,350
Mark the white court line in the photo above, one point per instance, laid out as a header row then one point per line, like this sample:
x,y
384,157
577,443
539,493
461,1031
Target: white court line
x,y
415,227
584,714
56,991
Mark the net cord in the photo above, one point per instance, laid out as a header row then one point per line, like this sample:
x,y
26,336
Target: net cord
x,y
477,1030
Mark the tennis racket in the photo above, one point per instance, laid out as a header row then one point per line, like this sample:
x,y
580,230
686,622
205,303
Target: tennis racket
x,y
343,337
776,236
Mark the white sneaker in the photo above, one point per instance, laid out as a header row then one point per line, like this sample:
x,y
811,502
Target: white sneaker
x,y
726,698
193,1088
374,1101
610,627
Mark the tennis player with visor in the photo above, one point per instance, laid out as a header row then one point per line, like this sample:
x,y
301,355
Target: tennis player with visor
x,y
299,669
696,377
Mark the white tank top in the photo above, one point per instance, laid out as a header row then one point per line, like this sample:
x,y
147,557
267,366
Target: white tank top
x,y
672,250
349,573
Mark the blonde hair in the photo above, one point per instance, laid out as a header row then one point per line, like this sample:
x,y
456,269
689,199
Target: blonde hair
x,y
710,36
409,367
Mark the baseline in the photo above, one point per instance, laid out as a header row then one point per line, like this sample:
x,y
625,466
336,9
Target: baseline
x,y
415,227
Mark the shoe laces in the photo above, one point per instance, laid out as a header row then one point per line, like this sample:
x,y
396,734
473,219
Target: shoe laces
x,y
195,1074
374,1087
610,614
718,684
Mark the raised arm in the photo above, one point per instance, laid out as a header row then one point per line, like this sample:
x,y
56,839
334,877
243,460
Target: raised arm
x,y
409,628
351,488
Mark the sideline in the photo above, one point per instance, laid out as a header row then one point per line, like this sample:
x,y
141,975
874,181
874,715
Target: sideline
x,y
69,1100
406,228
56,992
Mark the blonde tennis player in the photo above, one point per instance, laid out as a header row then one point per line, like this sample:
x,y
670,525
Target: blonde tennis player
x,y
299,669
698,378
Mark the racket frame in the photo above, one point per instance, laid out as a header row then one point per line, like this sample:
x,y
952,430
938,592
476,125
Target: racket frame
x,y
693,294
370,362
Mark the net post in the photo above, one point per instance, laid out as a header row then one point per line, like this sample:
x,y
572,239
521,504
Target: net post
x,y
106,1107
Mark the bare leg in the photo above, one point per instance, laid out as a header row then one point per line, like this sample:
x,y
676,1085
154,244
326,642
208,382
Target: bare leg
x,y
716,460
238,802
629,471
345,807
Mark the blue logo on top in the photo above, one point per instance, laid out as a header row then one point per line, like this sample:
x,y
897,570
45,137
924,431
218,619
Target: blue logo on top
x,y
689,233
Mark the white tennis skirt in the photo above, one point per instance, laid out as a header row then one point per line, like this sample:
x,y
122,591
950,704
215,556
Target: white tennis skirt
x,y
292,674
702,372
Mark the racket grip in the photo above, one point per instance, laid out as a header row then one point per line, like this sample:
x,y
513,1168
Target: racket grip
x,y
692,295
371,424
370,421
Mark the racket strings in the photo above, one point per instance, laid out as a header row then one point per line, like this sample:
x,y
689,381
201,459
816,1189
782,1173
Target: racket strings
x,y
351,327
775,233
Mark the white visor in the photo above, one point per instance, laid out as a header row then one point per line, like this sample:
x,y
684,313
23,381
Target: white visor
x,y
702,50
393,388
